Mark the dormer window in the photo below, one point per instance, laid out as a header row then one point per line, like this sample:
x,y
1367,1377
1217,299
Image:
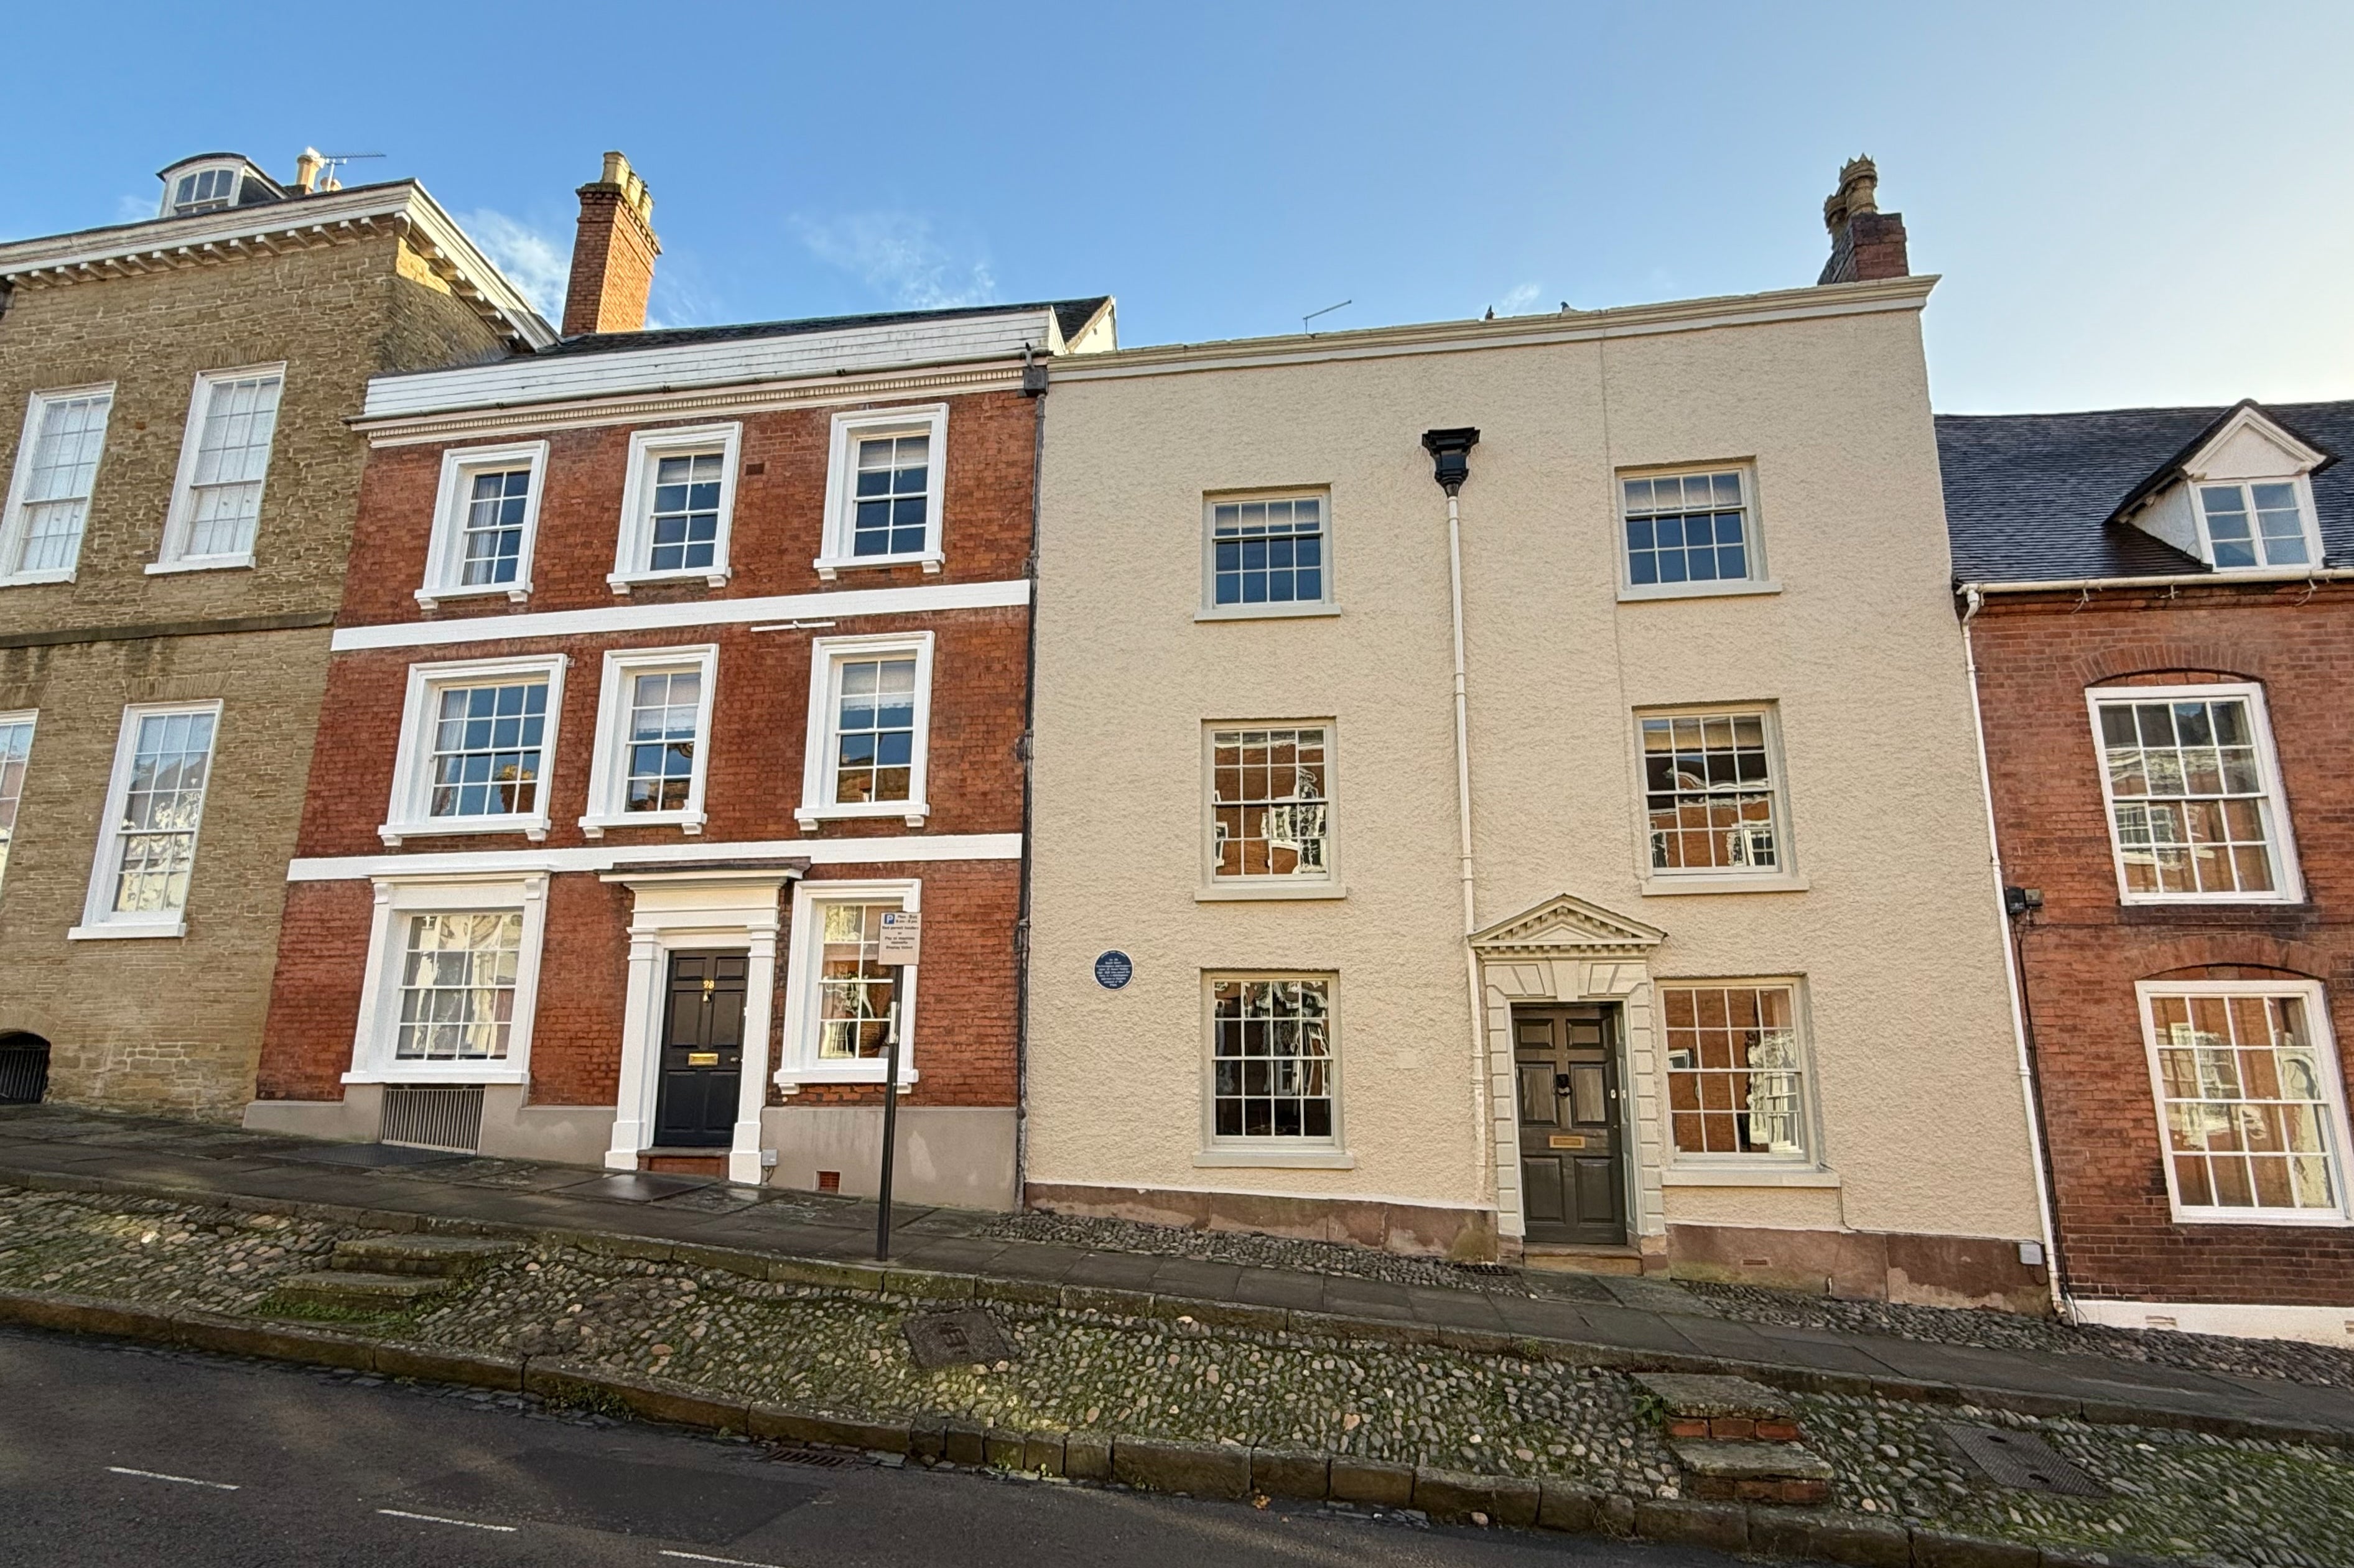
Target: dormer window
x,y
214,181
203,190
2256,524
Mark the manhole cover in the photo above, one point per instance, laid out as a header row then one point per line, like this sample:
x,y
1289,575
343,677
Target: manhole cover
x,y
958,1339
2020,1459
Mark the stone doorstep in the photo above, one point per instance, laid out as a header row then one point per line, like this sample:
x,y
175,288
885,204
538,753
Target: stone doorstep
x,y
1566,1506
868,1278
351,1288
1705,1397
1752,1461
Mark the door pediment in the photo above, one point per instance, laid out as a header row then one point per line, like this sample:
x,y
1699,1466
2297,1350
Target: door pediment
x,y
1565,925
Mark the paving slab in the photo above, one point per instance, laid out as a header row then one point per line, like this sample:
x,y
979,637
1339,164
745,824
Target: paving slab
x,y
1281,1287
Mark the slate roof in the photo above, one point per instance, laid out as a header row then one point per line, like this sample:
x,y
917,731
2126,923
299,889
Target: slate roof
x,y
1070,315
2029,496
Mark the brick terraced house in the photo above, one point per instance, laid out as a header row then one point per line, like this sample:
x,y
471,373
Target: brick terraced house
x,y
670,661
2160,604
181,486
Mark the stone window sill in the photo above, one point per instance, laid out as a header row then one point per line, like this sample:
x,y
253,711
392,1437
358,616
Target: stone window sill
x,y
1666,886
1631,593
1277,1158
1748,1176
1248,892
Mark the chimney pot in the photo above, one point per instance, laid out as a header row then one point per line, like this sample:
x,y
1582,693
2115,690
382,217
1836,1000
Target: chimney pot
x,y
306,170
1866,243
613,253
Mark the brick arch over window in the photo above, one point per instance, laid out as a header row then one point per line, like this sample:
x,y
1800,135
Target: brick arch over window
x,y
2236,955
2168,662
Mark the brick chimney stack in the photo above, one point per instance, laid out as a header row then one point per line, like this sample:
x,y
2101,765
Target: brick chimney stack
x,y
613,253
1866,243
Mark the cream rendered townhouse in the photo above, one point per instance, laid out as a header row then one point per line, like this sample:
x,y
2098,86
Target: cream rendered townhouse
x,y
1583,857
181,487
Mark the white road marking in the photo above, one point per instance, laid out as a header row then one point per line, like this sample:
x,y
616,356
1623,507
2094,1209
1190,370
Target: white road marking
x,y
184,1480
437,1519
730,1562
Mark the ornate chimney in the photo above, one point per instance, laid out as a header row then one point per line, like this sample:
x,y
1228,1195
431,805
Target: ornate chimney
x,y
1866,242
613,253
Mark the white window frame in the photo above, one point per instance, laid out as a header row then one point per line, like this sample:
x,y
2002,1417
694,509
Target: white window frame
x,y
1809,1157
12,517
609,776
841,473
2305,514
817,803
1665,881
647,449
31,719
1211,609
412,780
179,521
233,167
378,1035
1215,888
798,1061
2324,1049
1329,1153
444,559
2288,880
100,919
1759,580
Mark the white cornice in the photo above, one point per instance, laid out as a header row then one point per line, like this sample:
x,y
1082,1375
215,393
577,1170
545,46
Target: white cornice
x,y
271,228
894,851
841,604
662,406
1815,302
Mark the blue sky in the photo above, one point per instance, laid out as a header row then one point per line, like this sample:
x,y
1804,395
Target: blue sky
x,y
2130,204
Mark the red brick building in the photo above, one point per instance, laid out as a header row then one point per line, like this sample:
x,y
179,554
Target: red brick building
x,y
670,663
2160,607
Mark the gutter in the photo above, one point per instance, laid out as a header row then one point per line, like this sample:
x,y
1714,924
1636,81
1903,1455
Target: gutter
x,y
1974,590
2029,1091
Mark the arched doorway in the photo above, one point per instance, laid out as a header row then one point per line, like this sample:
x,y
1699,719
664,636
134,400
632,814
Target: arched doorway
x,y
23,1068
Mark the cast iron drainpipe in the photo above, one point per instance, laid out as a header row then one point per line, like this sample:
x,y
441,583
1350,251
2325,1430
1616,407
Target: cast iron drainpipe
x,y
2013,967
1450,465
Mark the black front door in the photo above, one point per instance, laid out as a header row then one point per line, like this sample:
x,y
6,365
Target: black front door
x,y
1566,1062
703,1051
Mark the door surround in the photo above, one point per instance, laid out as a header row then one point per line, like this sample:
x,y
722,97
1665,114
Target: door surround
x,y
689,911
1566,950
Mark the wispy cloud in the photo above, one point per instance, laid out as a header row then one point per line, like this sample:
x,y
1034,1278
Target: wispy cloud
x,y
132,209
1521,300
536,263
895,254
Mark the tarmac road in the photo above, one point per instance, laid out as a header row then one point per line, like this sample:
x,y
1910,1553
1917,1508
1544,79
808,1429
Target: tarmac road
x,y
124,1456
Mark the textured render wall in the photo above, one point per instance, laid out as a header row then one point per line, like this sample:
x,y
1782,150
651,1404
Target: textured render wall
x,y
163,1025
965,1041
1897,938
2084,952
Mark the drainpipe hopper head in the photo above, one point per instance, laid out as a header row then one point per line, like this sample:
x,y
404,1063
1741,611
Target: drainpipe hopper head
x,y
1450,456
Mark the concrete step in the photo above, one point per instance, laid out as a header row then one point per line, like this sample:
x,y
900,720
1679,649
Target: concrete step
x,y
360,1291
436,1256
1753,1472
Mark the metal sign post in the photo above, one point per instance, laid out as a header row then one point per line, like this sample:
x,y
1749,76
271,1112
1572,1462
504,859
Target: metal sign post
x,y
898,947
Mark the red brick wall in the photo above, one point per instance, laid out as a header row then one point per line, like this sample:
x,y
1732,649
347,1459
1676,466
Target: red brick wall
x,y
2084,951
966,1041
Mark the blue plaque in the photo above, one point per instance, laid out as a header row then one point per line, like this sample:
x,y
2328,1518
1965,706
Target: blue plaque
x,y
1114,969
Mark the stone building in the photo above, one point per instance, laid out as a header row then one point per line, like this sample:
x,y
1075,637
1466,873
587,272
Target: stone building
x,y
181,489
2161,605
669,662
1582,857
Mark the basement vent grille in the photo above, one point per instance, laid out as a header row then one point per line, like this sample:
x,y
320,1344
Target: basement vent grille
x,y
24,1069
2022,1459
440,1116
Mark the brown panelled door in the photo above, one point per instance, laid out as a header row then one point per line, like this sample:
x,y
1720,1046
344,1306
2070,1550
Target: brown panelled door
x,y
1572,1183
703,1051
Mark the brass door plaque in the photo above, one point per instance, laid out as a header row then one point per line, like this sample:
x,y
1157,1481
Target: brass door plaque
x,y
1564,1141
711,1059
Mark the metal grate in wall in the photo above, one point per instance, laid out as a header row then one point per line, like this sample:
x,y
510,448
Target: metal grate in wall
x,y
434,1115
24,1069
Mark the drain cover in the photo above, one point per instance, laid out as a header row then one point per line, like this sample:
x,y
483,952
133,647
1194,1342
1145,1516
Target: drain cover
x,y
958,1339
2020,1459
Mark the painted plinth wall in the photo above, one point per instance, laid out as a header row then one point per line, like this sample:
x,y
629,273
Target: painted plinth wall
x,y
2191,1031
742,758
168,568
1891,1157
